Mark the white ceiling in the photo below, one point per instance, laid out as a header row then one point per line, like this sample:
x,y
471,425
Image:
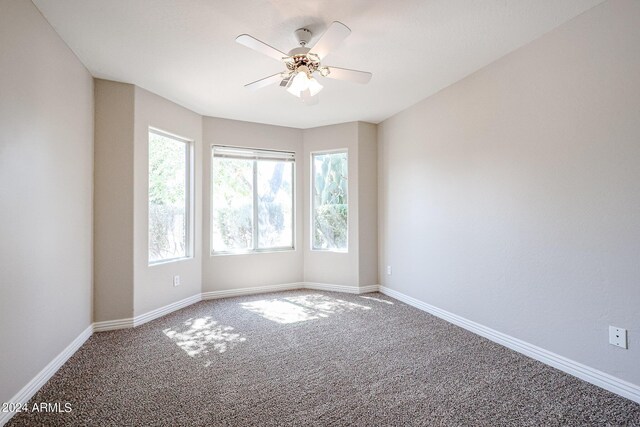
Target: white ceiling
x,y
186,51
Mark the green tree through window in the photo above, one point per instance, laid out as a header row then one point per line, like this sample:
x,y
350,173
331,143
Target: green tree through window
x,y
252,200
168,197
330,204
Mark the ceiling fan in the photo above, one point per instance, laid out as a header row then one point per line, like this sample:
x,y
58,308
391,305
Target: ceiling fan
x,y
302,62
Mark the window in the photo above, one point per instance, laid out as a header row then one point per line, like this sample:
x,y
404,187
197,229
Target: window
x,y
251,200
329,210
169,197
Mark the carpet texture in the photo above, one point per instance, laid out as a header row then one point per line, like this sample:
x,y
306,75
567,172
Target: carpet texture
x,y
306,358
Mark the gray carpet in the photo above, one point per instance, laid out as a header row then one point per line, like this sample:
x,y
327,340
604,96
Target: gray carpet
x,y
305,358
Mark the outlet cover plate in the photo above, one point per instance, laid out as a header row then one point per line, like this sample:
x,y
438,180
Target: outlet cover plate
x,y
618,336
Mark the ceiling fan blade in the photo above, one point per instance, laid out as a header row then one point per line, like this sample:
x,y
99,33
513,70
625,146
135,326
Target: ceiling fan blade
x,y
331,38
257,45
264,82
307,99
355,76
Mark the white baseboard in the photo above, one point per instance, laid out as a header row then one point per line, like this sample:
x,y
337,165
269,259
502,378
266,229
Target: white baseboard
x,y
159,312
45,374
110,325
228,293
340,288
369,288
586,373
250,291
591,375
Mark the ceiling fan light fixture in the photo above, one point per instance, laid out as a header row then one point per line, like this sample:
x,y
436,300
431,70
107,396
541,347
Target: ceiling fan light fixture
x,y
314,86
301,82
298,84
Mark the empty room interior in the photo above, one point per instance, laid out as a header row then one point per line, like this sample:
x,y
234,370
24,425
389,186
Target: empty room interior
x,y
314,213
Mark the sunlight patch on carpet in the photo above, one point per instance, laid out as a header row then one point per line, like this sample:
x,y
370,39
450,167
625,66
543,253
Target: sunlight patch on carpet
x,y
203,335
300,308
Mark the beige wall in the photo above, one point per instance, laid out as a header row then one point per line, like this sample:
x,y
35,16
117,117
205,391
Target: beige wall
x,y
113,201
153,285
368,203
335,268
46,149
358,266
221,272
125,284
512,197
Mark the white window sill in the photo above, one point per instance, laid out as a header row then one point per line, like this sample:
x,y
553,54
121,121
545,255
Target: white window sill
x,y
169,261
252,252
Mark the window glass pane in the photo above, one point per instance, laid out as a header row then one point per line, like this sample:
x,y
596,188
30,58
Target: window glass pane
x,y
232,204
168,198
275,204
329,203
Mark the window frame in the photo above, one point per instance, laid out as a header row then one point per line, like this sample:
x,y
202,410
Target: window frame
x,y
255,231
312,171
189,195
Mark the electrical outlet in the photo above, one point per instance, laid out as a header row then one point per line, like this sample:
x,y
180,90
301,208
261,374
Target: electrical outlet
x,y
388,270
618,337
176,280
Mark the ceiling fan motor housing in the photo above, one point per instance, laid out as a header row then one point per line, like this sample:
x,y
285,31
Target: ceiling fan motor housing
x,y
304,36
302,62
